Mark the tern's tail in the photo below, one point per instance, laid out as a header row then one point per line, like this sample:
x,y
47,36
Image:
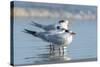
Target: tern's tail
x,y
30,32
37,24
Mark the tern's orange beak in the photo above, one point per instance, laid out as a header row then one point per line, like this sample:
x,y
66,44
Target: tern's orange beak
x,y
73,33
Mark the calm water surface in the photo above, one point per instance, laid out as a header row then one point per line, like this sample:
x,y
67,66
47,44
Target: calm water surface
x,y
32,50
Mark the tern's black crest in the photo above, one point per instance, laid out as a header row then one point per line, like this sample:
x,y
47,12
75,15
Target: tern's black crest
x,y
29,31
61,21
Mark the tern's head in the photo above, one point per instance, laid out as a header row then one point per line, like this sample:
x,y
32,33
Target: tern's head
x,y
64,24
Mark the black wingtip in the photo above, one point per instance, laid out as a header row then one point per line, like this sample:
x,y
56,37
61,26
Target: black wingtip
x,y
25,30
29,31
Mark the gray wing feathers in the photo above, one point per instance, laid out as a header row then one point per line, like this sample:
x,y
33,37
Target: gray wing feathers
x,y
49,27
56,39
38,25
45,27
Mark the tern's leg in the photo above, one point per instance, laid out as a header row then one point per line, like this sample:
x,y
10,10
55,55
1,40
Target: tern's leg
x,y
50,48
53,48
59,51
62,50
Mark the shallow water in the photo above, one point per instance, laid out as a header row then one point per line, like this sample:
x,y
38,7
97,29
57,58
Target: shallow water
x,y
32,50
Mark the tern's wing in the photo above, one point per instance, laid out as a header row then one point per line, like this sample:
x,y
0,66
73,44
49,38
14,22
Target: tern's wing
x,y
38,25
55,39
41,35
45,27
50,27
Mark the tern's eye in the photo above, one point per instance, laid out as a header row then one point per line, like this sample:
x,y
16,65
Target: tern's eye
x,y
66,30
58,27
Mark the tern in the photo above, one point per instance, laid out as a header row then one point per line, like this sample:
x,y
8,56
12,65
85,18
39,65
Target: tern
x,y
62,23
57,39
